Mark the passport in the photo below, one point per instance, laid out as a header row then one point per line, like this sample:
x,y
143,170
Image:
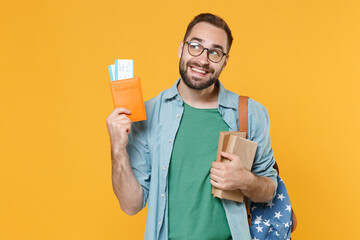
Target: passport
x,y
126,89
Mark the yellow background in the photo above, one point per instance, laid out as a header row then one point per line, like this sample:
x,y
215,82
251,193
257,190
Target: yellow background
x,y
298,58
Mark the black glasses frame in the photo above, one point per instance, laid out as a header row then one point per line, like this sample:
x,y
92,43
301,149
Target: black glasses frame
x,y
204,48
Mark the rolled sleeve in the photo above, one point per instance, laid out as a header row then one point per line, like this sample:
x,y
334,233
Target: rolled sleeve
x,y
259,131
138,151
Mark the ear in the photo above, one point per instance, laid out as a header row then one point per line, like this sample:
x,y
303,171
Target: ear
x,y
180,49
226,60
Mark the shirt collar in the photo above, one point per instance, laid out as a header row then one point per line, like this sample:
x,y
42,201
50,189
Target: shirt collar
x,y
172,92
224,98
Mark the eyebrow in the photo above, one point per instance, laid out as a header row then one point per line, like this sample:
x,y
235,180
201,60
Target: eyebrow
x,y
201,41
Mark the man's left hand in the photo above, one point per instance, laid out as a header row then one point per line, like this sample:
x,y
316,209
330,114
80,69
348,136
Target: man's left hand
x,y
230,175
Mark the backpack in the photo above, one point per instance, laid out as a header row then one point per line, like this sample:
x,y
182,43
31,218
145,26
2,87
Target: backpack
x,y
275,219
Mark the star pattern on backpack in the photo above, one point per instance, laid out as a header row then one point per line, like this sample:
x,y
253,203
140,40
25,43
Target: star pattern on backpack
x,y
272,220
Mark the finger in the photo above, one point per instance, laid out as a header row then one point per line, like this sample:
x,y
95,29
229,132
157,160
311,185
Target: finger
x,y
116,115
118,111
229,156
216,178
216,172
217,165
121,123
216,184
121,117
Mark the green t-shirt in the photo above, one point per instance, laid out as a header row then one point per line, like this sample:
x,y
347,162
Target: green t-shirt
x,y
193,211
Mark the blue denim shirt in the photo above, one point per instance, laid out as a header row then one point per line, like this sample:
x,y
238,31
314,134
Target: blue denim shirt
x,y
150,147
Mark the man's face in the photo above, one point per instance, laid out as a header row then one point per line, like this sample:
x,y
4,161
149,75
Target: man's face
x,y
199,72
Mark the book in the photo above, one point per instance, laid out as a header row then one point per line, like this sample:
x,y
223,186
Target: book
x,y
236,143
127,93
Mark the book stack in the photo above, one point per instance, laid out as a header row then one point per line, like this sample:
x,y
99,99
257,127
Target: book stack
x,y
126,89
236,143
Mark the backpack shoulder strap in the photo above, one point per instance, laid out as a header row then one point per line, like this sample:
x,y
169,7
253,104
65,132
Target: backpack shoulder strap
x,y
243,114
243,127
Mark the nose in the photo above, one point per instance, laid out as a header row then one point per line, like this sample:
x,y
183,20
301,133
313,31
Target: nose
x,y
203,57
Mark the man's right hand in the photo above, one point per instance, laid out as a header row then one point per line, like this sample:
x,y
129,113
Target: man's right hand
x,y
119,127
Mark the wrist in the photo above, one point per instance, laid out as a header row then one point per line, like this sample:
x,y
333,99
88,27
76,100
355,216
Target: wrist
x,y
118,152
118,156
250,181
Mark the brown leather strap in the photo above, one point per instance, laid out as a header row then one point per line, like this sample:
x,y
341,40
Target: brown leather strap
x,y
294,220
246,200
243,127
243,114
277,168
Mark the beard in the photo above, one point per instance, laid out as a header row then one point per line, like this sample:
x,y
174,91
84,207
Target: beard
x,y
194,82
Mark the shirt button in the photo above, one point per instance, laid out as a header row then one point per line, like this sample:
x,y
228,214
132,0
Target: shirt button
x,y
159,222
164,167
162,195
170,141
177,116
178,98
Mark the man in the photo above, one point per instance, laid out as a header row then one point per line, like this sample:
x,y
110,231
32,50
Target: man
x,y
169,158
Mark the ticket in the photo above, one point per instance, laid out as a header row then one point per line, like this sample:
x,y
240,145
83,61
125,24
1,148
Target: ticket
x,y
124,68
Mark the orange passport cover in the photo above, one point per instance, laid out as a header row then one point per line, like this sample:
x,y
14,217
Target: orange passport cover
x,y
127,94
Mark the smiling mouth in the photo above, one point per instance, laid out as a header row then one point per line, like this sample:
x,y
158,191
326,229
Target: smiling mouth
x,y
199,70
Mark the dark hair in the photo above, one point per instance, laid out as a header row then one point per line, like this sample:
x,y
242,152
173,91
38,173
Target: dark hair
x,y
213,20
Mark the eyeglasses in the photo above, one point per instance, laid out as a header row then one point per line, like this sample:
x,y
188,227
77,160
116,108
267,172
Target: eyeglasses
x,y
213,54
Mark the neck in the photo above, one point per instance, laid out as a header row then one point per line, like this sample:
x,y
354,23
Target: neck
x,y
206,98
